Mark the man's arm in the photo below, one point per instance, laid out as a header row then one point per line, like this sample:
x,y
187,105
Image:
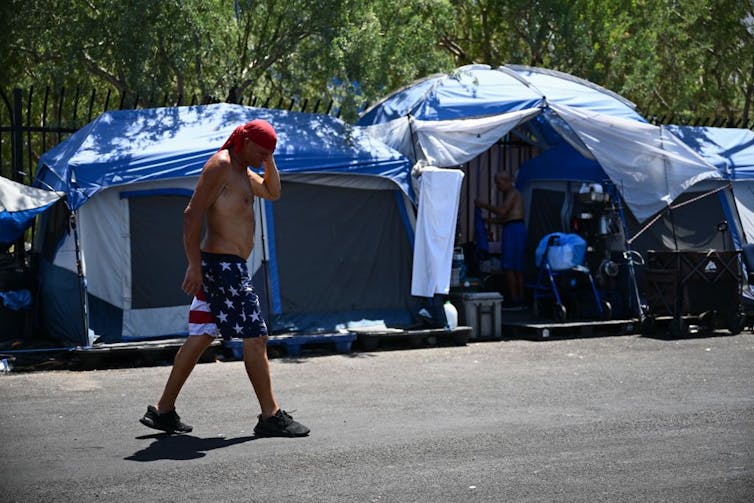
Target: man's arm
x,y
211,182
495,220
269,186
501,211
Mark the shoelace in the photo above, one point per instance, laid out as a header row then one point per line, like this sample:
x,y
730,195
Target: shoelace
x,y
283,417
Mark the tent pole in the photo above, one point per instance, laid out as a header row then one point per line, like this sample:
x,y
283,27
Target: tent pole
x,y
737,235
265,261
629,254
413,137
82,279
672,226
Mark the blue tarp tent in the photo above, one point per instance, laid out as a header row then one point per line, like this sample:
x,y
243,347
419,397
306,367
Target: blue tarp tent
x,y
448,120
19,204
131,146
335,248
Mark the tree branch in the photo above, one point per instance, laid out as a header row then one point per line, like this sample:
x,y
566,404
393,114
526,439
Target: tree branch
x,y
94,68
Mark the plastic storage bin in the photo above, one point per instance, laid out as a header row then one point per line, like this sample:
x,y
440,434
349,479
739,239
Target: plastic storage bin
x,y
482,311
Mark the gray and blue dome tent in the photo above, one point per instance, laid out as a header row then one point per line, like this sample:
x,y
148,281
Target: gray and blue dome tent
x,y
446,120
335,248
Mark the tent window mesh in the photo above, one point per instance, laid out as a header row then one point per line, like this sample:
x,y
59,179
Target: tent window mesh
x,y
158,261
340,249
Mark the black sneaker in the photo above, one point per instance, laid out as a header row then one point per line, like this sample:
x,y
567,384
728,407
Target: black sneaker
x,y
169,421
280,425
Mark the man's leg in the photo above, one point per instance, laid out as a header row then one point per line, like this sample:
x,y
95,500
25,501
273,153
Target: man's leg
x,y
520,286
510,283
258,369
184,363
273,421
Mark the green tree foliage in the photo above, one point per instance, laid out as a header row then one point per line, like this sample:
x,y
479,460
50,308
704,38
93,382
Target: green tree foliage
x,y
680,57
683,59
674,58
224,50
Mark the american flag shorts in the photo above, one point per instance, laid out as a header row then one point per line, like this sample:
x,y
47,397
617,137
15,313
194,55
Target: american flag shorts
x,y
227,305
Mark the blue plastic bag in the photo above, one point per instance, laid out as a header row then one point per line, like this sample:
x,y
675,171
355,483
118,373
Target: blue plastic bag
x,y
16,299
566,251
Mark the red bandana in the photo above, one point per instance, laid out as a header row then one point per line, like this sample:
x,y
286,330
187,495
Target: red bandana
x,y
259,131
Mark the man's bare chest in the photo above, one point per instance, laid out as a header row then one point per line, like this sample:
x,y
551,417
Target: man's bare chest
x,y
235,195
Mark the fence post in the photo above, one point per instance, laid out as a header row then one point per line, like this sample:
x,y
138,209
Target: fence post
x,y
17,137
17,161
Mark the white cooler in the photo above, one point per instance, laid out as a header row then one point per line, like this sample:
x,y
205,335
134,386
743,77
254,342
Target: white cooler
x,y
482,311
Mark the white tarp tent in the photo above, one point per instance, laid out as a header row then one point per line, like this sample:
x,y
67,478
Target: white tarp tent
x,y
649,165
19,204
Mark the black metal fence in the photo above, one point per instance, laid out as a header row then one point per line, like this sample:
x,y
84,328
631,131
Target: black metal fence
x,y
32,122
729,122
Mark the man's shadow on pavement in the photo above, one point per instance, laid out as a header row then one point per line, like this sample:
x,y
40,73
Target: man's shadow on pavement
x,y
182,447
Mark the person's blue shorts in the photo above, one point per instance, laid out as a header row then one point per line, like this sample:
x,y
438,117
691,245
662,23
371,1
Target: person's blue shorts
x,y
513,246
227,306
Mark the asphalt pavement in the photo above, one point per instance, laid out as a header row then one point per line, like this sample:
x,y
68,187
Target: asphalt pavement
x,y
625,418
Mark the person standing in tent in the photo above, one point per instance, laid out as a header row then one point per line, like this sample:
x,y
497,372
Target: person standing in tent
x,y
225,303
510,213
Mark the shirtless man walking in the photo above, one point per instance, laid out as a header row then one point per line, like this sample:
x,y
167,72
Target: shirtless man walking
x,y
225,303
510,213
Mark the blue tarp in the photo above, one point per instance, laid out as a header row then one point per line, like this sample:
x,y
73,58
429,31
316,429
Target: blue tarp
x,y
468,92
480,90
562,162
19,204
129,146
731,150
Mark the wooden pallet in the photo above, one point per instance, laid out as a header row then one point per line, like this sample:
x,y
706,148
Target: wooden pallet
x,y
670,327
293,344
545,330
371,339
133,353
